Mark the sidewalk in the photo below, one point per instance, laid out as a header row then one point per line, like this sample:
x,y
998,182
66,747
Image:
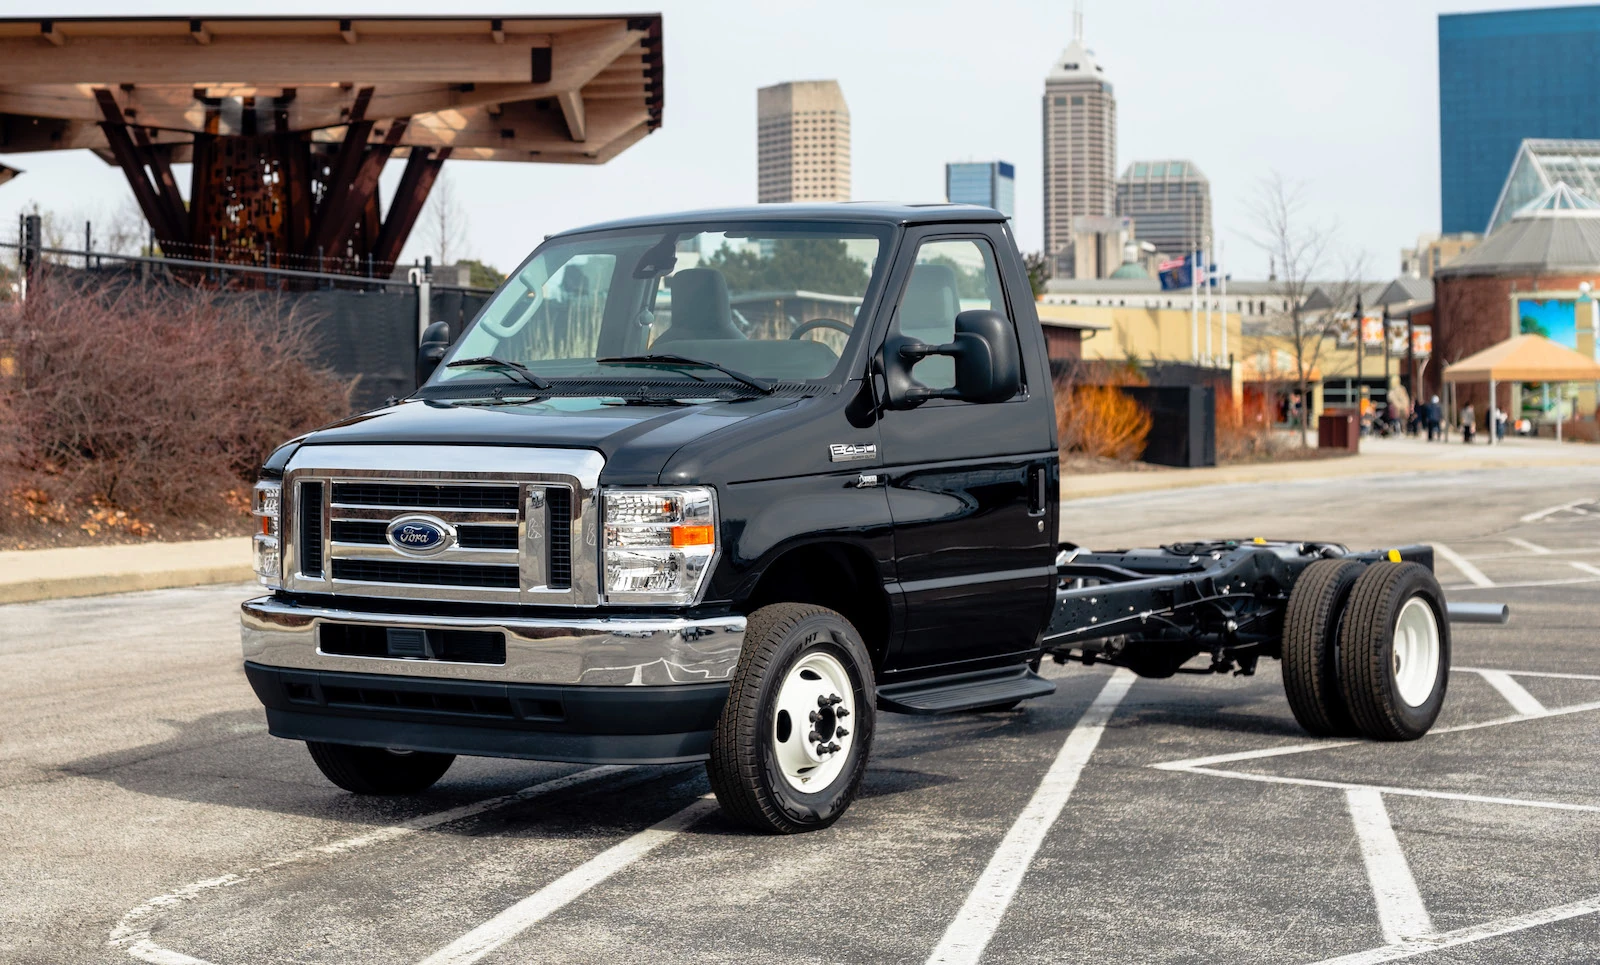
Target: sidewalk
x,y
1377,456
92,570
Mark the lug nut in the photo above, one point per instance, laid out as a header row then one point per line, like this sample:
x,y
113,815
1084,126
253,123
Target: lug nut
x,y
822,701
833,748
813,737
835,699
822,749
814,716
841,732
842,713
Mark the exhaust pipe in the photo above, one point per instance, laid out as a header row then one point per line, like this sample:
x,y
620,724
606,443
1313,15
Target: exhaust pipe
x,y
1477,612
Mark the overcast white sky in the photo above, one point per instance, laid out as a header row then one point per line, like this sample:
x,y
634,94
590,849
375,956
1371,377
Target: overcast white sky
x,y
1341,97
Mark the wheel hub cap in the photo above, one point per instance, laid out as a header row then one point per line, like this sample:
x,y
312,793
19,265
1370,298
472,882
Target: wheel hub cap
x,y
811,733
1416,652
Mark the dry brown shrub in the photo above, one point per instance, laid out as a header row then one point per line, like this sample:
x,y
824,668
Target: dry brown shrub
x,y
1243,434
1093,416
127,403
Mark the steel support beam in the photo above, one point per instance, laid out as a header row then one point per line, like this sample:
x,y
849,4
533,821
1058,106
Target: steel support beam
x,y
422,170
130,159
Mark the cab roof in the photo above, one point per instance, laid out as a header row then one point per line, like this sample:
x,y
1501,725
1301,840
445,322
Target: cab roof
x,y
877,212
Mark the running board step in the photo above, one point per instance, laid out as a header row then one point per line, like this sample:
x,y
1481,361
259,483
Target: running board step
x,y
968,691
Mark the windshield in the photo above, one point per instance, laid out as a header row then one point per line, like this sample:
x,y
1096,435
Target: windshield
x,y
775,302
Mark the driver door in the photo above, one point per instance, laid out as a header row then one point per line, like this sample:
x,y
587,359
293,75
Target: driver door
x,y
973,529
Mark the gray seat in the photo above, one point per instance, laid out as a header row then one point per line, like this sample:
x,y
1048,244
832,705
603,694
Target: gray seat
x,y
700,308
928,311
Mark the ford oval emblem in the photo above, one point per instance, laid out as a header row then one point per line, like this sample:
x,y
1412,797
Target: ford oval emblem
x,y
421,535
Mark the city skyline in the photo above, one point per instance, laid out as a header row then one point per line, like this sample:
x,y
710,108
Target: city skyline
x,y
1364,143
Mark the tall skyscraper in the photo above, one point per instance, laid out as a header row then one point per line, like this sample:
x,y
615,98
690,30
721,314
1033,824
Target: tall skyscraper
x,y
1169,202
803,142
1080,147
1505,77
992,184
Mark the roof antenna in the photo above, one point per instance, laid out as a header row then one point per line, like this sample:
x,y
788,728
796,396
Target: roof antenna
x,y
1077,21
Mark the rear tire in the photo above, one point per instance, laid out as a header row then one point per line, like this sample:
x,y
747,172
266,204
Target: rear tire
x,y
378,770
804,671
1394,651
1310,647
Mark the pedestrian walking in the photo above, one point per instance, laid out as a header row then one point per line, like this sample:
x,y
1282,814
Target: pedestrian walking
x,y
1469,424
1433,416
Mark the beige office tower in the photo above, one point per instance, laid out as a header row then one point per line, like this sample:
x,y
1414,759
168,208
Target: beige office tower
x,y
803,142
1080,148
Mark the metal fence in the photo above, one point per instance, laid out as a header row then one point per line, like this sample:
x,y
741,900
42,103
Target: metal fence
x,y
367,327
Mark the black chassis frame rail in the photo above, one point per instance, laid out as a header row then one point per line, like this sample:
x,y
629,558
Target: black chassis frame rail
x,y
1193,588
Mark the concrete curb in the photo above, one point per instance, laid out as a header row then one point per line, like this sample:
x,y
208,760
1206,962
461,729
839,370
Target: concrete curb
x,y
53,574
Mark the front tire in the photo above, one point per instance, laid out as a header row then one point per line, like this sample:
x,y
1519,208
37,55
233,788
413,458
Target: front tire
x,y
378,770
791,746
1394,651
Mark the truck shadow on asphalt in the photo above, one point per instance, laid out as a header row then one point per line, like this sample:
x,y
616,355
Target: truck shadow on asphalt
x,y
227,759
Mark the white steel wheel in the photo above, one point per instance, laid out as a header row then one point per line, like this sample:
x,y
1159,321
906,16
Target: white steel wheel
x,y
812,721
1416,652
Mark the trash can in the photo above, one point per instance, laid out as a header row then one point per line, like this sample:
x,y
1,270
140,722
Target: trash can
x,y
1339,429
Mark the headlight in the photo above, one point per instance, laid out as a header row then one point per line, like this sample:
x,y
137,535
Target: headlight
x,y
659,544
266,504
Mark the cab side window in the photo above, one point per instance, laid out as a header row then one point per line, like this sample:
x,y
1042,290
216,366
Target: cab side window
x,y
949,277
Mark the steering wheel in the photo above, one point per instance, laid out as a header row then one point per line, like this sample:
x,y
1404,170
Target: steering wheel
x,y
832,323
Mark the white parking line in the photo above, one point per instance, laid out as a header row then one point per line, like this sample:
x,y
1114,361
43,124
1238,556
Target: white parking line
x,y
1533,548
979,917
132,932
1537,515
1401,912
1472,933
1586,567
1532,673
564,890
1472,573
1520,700
1531,584
1401,791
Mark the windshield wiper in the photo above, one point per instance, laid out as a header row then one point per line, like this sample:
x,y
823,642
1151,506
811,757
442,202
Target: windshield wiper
x,y
760,385
521,371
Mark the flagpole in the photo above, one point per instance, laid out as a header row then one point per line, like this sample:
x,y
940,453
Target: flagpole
x,y
1224,281
1210,256
1194,308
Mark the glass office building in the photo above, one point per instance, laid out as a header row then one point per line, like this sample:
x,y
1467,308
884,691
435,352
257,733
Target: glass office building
x,y
992,184
1505,77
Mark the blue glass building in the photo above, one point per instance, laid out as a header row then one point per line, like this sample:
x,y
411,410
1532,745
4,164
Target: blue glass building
x,y
992,184
1504,77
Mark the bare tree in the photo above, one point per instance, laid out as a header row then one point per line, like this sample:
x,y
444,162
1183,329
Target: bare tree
x,y
1300,251
444,227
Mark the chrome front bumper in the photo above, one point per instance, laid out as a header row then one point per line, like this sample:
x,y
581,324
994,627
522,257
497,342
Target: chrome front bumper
x,y
589,650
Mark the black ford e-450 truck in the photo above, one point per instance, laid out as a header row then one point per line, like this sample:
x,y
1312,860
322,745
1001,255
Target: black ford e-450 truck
x,y
724,485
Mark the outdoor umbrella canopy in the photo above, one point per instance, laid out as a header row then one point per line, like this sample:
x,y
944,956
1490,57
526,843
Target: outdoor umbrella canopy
x,y
1524,358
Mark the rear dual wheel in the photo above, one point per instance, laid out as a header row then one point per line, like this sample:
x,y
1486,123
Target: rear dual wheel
x,y
1366,649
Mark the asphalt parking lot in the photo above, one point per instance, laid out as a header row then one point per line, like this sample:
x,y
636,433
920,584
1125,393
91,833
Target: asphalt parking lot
x,y
147,816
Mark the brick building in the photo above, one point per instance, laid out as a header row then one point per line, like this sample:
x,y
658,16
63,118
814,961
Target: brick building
x,y
1545,251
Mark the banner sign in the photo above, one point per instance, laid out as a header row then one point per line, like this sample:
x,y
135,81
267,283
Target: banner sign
x,y
1422,341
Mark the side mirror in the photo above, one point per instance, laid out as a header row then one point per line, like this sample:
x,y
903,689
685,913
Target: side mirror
x,y
987,368
435,342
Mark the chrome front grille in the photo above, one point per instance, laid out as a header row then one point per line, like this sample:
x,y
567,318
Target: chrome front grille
x,y
523,523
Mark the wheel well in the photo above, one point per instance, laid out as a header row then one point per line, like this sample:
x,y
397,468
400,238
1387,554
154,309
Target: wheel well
x,y
837,576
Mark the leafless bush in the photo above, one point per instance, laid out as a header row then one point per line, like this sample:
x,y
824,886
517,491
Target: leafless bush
x,y
1095,418
124,402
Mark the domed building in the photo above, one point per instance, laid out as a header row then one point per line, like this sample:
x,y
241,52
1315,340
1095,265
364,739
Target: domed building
x,y
1548,251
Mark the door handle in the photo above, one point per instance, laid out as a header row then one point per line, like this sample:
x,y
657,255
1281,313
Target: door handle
x,y
1038,494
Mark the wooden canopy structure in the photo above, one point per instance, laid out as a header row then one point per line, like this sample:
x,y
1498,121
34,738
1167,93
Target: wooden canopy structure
x,y
289,121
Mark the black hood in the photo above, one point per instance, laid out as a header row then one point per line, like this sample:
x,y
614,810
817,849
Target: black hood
x,y
637,440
